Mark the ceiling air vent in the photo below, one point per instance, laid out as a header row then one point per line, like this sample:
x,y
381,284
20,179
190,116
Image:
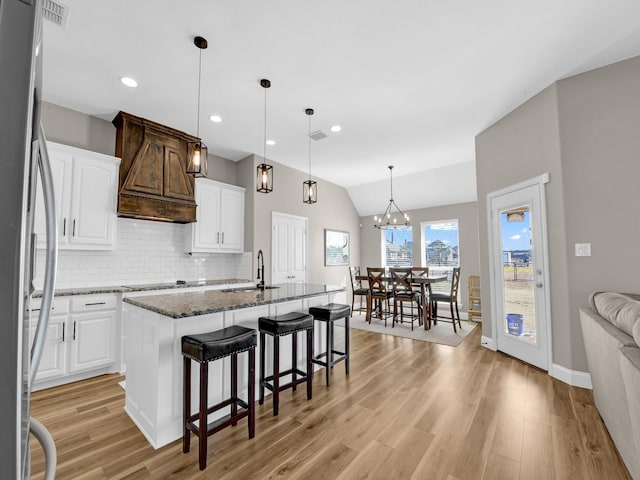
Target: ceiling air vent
x,y
55,12
318,135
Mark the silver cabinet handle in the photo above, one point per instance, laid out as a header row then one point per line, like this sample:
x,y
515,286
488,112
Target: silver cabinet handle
x,y
74,228
74,330
64,227
63,325
222,237
218,240
539,284
94,303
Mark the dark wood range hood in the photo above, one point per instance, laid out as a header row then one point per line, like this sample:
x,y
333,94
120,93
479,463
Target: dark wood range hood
x,y
153,183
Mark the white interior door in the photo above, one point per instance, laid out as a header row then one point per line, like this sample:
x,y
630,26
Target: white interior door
x,y
288,248
519,278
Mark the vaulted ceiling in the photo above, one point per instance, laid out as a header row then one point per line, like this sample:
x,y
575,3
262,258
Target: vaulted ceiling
x,y
410,82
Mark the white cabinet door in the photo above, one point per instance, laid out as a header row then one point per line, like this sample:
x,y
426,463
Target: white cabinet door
x,y
219,225
61,167
93,196
206,230
93,340
85,192
232,220
289,248
54,358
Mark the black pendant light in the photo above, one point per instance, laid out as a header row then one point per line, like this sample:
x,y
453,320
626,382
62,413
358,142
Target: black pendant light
x,y
197,151
392,217
264,180
309,187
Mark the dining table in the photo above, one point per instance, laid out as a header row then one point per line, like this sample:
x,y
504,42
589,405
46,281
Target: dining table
x,y
423,282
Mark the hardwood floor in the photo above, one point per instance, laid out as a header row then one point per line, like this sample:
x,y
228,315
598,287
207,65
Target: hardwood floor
x,y
408,410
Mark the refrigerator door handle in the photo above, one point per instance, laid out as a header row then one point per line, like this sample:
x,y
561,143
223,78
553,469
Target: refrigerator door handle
x,y
44,165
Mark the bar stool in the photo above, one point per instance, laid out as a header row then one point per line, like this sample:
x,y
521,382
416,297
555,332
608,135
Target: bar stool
x,y
330,313
205,348
278,326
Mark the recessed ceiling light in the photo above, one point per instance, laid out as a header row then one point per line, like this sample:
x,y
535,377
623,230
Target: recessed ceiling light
x,y
336,128
129,82
215,118
271,142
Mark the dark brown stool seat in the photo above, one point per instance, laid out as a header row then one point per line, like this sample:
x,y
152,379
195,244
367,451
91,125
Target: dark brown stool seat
x,y
329,314
278,326
205,348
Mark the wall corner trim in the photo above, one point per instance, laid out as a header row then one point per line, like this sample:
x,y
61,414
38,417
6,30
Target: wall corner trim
x,y
571,377
489,343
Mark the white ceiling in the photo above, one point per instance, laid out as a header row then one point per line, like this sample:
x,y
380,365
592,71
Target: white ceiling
x,y
410,82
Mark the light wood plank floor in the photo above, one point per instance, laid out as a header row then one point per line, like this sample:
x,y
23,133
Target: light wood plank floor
x,y
408,410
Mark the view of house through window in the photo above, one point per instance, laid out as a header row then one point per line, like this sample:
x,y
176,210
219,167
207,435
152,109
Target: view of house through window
x,y
440,245
398,247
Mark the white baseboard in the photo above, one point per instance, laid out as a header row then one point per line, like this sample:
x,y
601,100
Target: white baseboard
x,y
571,377
488,343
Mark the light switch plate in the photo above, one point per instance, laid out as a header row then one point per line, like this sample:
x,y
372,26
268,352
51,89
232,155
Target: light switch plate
x,y
583,249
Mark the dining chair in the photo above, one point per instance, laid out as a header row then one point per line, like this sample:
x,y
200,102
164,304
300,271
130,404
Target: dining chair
x,y
357,290
450,297
379,294
474,297
403,292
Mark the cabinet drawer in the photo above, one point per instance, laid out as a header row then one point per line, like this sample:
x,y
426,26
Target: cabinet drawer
x,y
58,306
89,303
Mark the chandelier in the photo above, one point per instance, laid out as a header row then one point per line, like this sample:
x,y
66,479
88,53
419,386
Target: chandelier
x,y
392,217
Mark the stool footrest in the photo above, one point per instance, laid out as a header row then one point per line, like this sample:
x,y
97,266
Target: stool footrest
x,y
301,379
336,359
218,424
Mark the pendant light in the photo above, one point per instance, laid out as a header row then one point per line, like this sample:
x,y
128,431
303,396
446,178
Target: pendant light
x,y
197,151
392,217
264,180
309,187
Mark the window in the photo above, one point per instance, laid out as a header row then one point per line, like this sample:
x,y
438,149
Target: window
x,y
440,244
398,247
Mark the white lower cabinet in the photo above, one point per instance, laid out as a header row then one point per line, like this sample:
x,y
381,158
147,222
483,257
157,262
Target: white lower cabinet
x,y
80,340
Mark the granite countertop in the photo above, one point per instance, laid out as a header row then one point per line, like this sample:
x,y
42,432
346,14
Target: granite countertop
x,y
188,304
60,292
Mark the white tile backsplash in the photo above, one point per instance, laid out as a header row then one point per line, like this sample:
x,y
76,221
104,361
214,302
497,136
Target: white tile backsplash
x,y
146,252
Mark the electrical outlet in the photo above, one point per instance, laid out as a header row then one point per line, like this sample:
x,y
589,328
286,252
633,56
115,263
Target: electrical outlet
x,y
583,249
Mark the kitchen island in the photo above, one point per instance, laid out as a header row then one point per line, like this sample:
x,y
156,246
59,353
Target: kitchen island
x,y
155,324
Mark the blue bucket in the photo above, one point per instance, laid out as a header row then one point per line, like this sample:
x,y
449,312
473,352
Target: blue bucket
x,y
515,324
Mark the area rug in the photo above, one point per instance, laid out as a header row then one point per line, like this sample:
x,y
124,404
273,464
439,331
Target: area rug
x,y
441,333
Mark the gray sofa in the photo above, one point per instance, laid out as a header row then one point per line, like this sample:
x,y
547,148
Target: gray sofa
x,y
611,331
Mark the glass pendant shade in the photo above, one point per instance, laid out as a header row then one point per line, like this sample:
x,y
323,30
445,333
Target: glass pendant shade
x,y
197,163
309,191
392,217
309,187
264,180
197,152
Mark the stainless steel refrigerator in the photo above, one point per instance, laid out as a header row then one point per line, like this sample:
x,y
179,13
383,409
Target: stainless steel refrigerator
x,y
23,165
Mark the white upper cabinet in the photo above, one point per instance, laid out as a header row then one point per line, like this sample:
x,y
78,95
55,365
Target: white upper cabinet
x,y
85,191
219,225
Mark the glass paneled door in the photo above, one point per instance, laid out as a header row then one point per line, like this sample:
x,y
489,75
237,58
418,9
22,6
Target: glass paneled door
x,y
519,293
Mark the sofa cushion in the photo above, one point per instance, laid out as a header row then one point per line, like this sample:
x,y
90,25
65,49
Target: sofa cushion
x,y
619,309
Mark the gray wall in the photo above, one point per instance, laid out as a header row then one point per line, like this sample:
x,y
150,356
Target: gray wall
x,y
333,210
583,131
467,216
